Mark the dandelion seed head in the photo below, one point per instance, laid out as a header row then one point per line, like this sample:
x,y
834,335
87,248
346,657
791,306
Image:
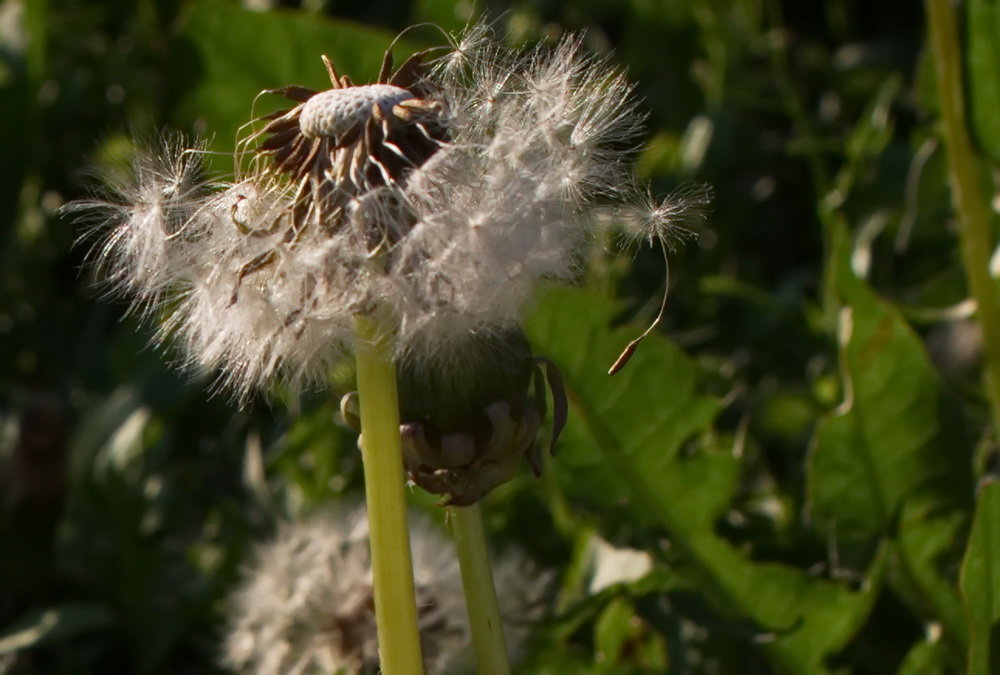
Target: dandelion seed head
x,y
437,197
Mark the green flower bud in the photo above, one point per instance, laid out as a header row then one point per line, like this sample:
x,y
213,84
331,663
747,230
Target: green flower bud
x,y
467,423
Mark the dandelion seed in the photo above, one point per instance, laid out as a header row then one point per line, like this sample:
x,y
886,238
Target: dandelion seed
x,y
664,223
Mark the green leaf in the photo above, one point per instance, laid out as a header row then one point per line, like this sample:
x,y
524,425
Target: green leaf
x,y
873,132
983,63
621,450
102,438
923,567
641,416
926,658
317,456
41,627
624,642
891,436
614,629
980,582
227,55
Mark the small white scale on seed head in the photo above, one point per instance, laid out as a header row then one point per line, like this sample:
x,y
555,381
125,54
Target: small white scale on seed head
x,y
334,112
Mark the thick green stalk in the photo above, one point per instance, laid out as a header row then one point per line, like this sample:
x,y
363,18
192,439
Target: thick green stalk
x,y
480,593
392,567
970,201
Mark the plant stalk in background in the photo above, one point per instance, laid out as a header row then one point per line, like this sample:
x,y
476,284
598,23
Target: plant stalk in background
x,y
970,202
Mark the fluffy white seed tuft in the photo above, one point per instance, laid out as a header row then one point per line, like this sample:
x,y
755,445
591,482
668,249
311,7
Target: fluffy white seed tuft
x,y
139,225
680,216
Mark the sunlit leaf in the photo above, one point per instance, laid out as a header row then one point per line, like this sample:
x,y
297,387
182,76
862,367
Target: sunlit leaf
x,y
622,451
638,419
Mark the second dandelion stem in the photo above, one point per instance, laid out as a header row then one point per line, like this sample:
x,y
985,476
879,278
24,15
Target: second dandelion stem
x,y
392,567
480,593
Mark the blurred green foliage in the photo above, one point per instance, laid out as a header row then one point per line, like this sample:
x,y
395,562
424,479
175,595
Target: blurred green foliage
x,y
798,452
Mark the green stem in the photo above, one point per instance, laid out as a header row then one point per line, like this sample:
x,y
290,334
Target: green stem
x,y
480,593
970,202
392,567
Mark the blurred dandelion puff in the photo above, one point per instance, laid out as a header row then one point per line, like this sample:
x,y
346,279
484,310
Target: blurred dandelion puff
x,y
305,604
